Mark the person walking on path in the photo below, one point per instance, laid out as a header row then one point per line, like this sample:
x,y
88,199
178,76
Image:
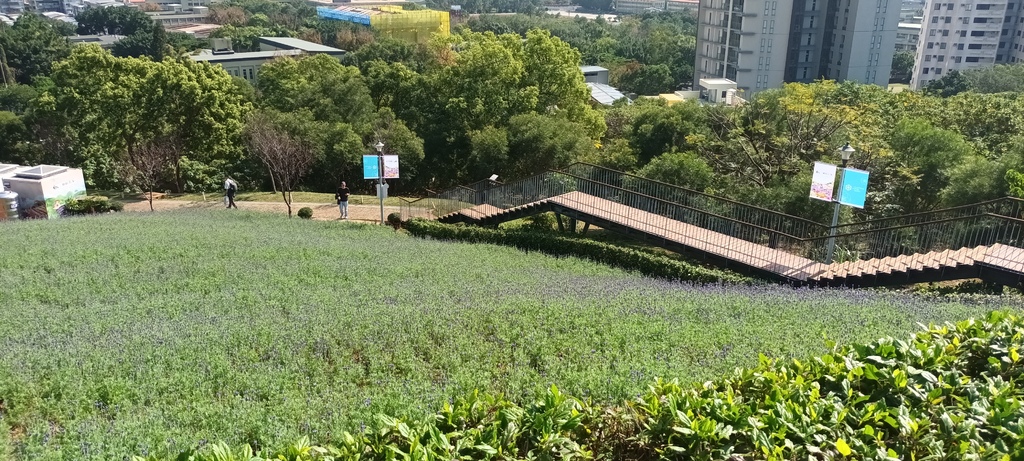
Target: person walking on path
x,y
230,188
342,197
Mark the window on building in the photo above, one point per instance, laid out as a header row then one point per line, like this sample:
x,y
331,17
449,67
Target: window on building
x,y
942,58
949,7
931,45
942,46
945,33
927,58
963,33
960,46
924,71
982,6
949,19
977,33
957,59
980,20
938,71
935,19
971,59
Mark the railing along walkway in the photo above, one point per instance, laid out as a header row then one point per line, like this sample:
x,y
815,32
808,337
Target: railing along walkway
x,y
740,251
938,265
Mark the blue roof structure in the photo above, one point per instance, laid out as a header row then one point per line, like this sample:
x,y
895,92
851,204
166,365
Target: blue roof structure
x,y
349,15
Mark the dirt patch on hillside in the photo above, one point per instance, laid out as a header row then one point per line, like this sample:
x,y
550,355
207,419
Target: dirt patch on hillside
x,y
321,211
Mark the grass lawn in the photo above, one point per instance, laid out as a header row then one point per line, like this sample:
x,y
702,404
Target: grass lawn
x,y
122,334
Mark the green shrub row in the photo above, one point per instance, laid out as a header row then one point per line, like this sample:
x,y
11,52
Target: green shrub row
x,y
92,204
951,392
646,263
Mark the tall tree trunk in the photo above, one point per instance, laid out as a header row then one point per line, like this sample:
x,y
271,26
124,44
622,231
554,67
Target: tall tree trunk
x,y
151,198
273,183
287,201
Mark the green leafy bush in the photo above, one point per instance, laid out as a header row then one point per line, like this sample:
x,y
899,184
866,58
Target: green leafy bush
x,y
395,220
92,204
951,392
646,263
306,212
542,221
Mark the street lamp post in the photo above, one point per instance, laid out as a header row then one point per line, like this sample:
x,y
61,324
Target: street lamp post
x,y
380,177
846,152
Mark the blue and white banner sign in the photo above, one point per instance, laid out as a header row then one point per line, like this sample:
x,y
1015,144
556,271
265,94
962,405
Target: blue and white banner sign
x,y
854,189
371,167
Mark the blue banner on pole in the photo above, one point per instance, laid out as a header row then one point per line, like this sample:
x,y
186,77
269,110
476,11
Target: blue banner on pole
x,y
854,189
371,167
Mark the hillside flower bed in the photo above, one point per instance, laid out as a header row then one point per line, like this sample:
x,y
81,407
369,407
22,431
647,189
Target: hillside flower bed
x,y
138,334
951,392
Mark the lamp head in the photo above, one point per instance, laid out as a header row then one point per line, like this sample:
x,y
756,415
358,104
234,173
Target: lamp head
x,y
379,146
847,151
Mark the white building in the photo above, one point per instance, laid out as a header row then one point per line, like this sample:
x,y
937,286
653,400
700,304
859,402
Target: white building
x,y
247,65
966,35
643,6
907,36
761,44
12,7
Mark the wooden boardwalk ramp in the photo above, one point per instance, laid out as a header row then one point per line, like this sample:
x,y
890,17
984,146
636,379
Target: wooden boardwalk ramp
x,y
997,263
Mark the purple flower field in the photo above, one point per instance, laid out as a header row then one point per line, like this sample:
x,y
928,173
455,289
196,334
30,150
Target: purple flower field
x,y
127,334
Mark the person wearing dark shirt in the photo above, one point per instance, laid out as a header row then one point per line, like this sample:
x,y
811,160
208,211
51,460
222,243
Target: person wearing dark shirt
x,y
342,197
230,188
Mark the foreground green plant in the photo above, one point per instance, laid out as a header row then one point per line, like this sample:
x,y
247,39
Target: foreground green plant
x,y
950,392
646,263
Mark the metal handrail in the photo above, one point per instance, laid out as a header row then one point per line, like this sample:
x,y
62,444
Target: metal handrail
x,y
973,225
1015,203
697,192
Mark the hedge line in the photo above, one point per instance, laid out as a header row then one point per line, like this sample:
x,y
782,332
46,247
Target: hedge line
x,y
952,392
646,263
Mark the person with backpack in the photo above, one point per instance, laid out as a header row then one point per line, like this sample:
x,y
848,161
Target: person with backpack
x,y
342,197
230,188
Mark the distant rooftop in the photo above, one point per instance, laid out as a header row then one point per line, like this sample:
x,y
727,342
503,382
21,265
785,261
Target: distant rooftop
x,y
716,81
586,69
102,40
208,56
297,44
909,25
604,94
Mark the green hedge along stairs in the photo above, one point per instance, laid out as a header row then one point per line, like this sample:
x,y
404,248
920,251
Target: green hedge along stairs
x,y
983,240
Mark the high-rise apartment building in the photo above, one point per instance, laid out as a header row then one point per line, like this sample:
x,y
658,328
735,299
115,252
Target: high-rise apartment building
x,y
761,44
964,35
12,6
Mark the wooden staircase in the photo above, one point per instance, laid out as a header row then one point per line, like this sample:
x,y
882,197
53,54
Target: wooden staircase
x,y
998,263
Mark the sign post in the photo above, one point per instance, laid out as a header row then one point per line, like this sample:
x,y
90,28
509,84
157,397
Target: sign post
x,y
380,167
853,188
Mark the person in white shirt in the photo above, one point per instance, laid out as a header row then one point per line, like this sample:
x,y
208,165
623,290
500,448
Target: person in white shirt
x,y
230,188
